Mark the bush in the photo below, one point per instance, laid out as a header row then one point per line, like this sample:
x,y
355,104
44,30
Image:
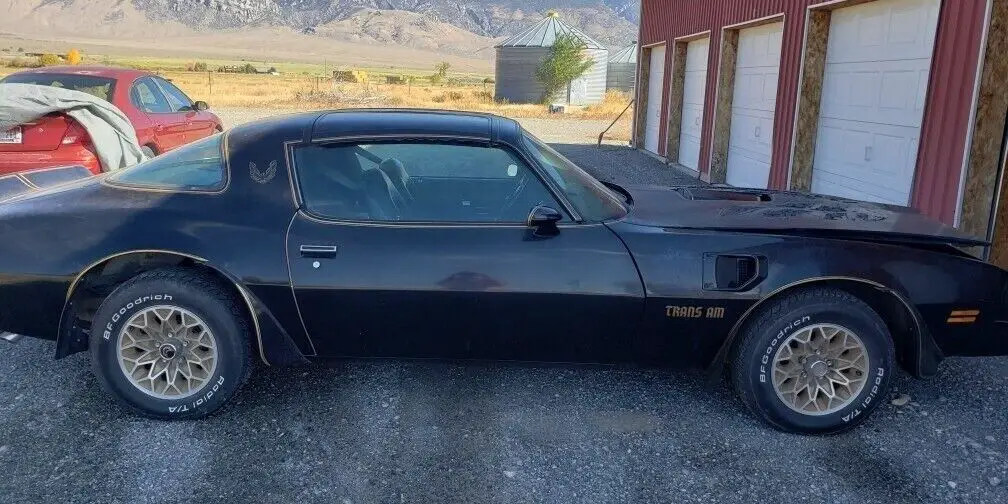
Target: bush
x,y
73,57
450,96
247,68
49,59
21,63
483,96
198,66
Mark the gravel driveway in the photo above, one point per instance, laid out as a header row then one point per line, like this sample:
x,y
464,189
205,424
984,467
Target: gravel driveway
x,y
427,432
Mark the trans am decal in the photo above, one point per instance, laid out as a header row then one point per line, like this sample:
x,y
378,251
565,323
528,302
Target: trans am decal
x,y
711,312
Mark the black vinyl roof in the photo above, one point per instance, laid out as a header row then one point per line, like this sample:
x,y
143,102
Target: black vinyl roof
x,y
404,123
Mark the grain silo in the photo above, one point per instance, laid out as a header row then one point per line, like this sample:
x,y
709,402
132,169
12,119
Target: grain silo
x,y
520,55
623,69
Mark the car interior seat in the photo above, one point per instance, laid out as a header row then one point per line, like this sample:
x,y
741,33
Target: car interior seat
x,y
332,181
384,200
396,172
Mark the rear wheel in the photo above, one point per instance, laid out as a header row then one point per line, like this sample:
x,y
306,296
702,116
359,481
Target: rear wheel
x,y
816,361
169,344
148,152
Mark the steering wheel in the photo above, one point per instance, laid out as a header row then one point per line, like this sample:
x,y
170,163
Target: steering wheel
x,y
515,195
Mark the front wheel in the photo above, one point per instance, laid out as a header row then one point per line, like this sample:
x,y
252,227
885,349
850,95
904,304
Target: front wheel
x,y
171,344
816,361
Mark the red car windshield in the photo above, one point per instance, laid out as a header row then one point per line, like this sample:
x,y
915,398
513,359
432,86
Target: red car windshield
x,y
101,87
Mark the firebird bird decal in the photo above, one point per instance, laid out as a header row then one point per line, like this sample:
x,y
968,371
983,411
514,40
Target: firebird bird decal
x,y
263,176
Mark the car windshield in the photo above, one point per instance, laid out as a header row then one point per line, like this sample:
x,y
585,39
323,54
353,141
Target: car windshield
x,y
593,200
100,87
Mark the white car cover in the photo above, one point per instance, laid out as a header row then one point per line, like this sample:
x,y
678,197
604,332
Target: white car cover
x,y
111,131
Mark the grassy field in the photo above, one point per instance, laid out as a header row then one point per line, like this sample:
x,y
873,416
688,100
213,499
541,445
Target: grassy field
x,y
310,87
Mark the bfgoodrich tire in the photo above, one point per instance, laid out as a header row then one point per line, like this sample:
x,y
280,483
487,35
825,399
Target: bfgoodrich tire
x,y
170,344
814,362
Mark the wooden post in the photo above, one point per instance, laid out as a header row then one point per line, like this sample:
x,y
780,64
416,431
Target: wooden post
x,y
209,78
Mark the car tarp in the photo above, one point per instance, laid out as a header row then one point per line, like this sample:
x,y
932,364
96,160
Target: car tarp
x,y
110,130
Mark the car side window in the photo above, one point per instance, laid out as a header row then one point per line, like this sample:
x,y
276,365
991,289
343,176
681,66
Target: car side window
x,y
147,97
178,100
426,182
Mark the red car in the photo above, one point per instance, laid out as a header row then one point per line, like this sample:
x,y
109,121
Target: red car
x,y
163,116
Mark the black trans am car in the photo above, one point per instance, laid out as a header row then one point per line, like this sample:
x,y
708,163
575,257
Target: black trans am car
x,y
422,234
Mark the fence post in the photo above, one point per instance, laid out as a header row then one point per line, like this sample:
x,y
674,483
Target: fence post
x,y
209,78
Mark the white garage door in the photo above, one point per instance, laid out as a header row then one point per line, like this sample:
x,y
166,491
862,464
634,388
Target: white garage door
x,y
656,80
753,104
694,90
877,66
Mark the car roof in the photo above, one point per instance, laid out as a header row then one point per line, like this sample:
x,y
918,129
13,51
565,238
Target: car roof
x,y
337,124
108,72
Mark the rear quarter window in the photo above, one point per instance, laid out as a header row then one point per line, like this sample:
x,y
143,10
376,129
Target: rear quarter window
x,y
198,166
56,176
12,186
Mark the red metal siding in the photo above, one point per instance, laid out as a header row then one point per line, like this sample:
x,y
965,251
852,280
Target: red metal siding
x,y
947,110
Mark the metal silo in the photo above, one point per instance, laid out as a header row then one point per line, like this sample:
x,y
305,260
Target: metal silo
x,y
520,55
623,69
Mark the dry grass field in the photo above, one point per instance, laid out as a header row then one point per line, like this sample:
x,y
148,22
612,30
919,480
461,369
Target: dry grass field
x,y
309,92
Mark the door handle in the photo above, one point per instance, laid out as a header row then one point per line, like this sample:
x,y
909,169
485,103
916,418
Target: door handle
x,y
319,251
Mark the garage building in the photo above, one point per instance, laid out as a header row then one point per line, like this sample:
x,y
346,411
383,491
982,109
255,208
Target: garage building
x,y
894,101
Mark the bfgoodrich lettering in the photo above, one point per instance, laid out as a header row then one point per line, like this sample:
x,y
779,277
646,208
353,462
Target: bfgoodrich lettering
x,y
129,307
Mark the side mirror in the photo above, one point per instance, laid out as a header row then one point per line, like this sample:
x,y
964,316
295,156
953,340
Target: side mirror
x,y
543,220
201,106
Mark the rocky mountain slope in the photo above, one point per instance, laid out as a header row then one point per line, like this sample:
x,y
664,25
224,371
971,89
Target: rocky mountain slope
x,y
613,21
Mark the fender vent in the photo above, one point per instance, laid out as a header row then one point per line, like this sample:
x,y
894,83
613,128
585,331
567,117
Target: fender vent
x,y
732,272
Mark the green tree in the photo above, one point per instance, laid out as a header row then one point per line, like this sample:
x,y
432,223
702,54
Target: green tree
x,y
440,72
565,62
442,69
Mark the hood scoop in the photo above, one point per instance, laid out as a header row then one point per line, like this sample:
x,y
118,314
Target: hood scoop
x,y
709,194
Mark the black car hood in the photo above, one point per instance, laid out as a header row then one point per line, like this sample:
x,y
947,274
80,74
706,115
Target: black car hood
x,y
785,212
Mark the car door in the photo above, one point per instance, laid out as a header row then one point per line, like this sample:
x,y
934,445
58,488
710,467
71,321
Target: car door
x,y
198,124
452,270
169,124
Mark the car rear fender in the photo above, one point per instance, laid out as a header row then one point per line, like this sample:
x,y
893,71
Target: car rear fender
x,y
272,342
